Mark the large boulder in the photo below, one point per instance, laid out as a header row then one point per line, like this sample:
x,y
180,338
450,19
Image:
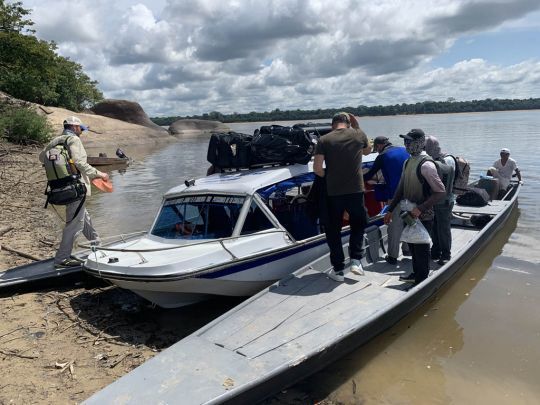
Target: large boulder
x,y
125,110
196,127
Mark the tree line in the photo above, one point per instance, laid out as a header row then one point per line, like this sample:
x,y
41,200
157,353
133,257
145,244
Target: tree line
x,y
426,107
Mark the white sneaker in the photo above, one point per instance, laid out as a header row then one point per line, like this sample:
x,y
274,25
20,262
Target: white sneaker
x,y
356,267
338,276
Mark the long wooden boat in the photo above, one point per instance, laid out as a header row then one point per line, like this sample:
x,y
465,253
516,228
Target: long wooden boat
x,y
298,325
104,161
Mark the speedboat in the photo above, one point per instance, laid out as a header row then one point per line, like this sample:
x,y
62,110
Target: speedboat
x,y
230,234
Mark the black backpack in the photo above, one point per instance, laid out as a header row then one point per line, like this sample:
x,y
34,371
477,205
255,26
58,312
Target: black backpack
x,y
474,197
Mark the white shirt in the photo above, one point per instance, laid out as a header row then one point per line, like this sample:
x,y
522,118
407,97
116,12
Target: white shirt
x,y
505,172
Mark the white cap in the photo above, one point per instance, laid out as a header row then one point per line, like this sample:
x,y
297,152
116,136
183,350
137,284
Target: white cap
x,y
75,121
505,150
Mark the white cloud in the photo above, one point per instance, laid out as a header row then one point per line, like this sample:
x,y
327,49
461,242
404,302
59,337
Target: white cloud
x,y
178,57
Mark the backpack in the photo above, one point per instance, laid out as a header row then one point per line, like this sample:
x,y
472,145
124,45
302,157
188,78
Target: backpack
x,y
461,177
474,197
63,178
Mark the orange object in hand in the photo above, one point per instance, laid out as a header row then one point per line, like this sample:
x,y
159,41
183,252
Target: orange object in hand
x,y
105,186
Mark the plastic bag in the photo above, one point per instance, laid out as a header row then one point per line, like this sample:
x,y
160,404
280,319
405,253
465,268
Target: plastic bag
x,y
416,233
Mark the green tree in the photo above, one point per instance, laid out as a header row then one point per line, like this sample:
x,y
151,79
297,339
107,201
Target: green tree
x,y
30,69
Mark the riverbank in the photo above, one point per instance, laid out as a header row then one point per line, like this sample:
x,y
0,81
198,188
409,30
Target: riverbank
x,y
62,345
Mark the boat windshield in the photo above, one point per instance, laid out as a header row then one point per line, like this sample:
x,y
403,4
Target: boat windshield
x,y
198,217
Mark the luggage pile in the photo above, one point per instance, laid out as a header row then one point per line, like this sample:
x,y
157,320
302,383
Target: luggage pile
x,y
269,145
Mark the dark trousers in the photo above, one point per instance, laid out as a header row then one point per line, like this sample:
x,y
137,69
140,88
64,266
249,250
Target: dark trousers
x,y
420,256
337,205
441,233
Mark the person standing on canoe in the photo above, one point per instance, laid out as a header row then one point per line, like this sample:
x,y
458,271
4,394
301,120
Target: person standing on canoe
x,y
390,162
425,192
77,217
441,234
341,151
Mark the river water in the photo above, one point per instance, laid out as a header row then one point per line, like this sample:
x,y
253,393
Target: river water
x,y
477,341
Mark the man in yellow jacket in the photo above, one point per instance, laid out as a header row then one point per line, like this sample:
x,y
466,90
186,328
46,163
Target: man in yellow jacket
x,y
77,217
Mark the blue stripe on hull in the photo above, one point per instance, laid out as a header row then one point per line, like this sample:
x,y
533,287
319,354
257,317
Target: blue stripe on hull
x,y
267,259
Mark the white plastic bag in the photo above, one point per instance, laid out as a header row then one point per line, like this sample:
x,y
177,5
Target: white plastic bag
x,y
416,233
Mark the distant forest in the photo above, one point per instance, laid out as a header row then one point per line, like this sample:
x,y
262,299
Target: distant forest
x,y
426,107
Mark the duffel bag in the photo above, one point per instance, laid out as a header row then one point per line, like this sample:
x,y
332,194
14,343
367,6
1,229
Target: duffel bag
x,y
474,197
229,150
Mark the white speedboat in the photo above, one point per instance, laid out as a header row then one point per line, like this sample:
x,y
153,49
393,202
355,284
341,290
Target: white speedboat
x,y
230,233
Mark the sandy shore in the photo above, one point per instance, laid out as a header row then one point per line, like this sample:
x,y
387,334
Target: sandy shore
x,y
62,345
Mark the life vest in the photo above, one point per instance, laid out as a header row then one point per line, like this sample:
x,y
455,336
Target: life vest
x,y
64,185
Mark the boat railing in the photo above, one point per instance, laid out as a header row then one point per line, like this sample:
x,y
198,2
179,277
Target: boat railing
x,y
121,238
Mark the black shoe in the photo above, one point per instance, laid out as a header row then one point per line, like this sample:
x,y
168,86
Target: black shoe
x,y
442,261
390,260
408,279
435,256
68,264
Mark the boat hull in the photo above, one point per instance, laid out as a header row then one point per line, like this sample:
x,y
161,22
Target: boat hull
x,y
238,279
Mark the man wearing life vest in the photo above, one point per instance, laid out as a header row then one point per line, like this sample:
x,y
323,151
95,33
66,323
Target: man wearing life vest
x,y
77,217
424,193
441,234
390,162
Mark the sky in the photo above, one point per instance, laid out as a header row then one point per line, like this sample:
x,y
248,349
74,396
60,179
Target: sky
x,y
186,57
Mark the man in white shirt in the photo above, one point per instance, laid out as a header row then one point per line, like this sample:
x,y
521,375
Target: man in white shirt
x,y
504,168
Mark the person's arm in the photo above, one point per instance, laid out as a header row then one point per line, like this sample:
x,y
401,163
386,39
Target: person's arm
x,y
438,191
518,173
318,165
78,154
396,198
377,165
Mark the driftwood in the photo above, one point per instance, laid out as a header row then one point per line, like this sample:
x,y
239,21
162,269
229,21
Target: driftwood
x,y
22,254
95,132
5,229
22,356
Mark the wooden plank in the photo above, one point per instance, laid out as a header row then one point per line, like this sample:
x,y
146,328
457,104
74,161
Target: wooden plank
x,y
493,208
323,325
313,285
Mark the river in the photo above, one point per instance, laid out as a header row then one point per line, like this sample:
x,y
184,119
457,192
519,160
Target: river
x,y
476,341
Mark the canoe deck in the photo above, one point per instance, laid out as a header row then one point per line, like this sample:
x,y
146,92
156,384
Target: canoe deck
x,y
303,313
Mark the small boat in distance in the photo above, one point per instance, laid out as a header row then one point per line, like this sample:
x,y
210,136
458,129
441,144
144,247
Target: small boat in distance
x,y
104,161
230,233
300,324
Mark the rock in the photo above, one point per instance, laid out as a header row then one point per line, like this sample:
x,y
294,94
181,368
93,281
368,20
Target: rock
x,y
196,127
125,110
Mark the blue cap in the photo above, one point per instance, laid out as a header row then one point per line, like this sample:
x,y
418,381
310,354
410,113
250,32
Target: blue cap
x,y
84,127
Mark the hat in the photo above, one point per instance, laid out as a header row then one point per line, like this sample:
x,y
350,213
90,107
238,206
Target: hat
x,y
414,134
505,150
380,140
75,121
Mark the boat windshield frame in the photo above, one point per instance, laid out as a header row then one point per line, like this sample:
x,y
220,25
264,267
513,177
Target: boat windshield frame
x,y
201,212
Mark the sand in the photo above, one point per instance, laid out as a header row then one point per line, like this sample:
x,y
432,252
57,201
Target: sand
x,y
63,344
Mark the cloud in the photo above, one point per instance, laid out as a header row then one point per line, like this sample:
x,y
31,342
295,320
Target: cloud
x,y
474,16
179,57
